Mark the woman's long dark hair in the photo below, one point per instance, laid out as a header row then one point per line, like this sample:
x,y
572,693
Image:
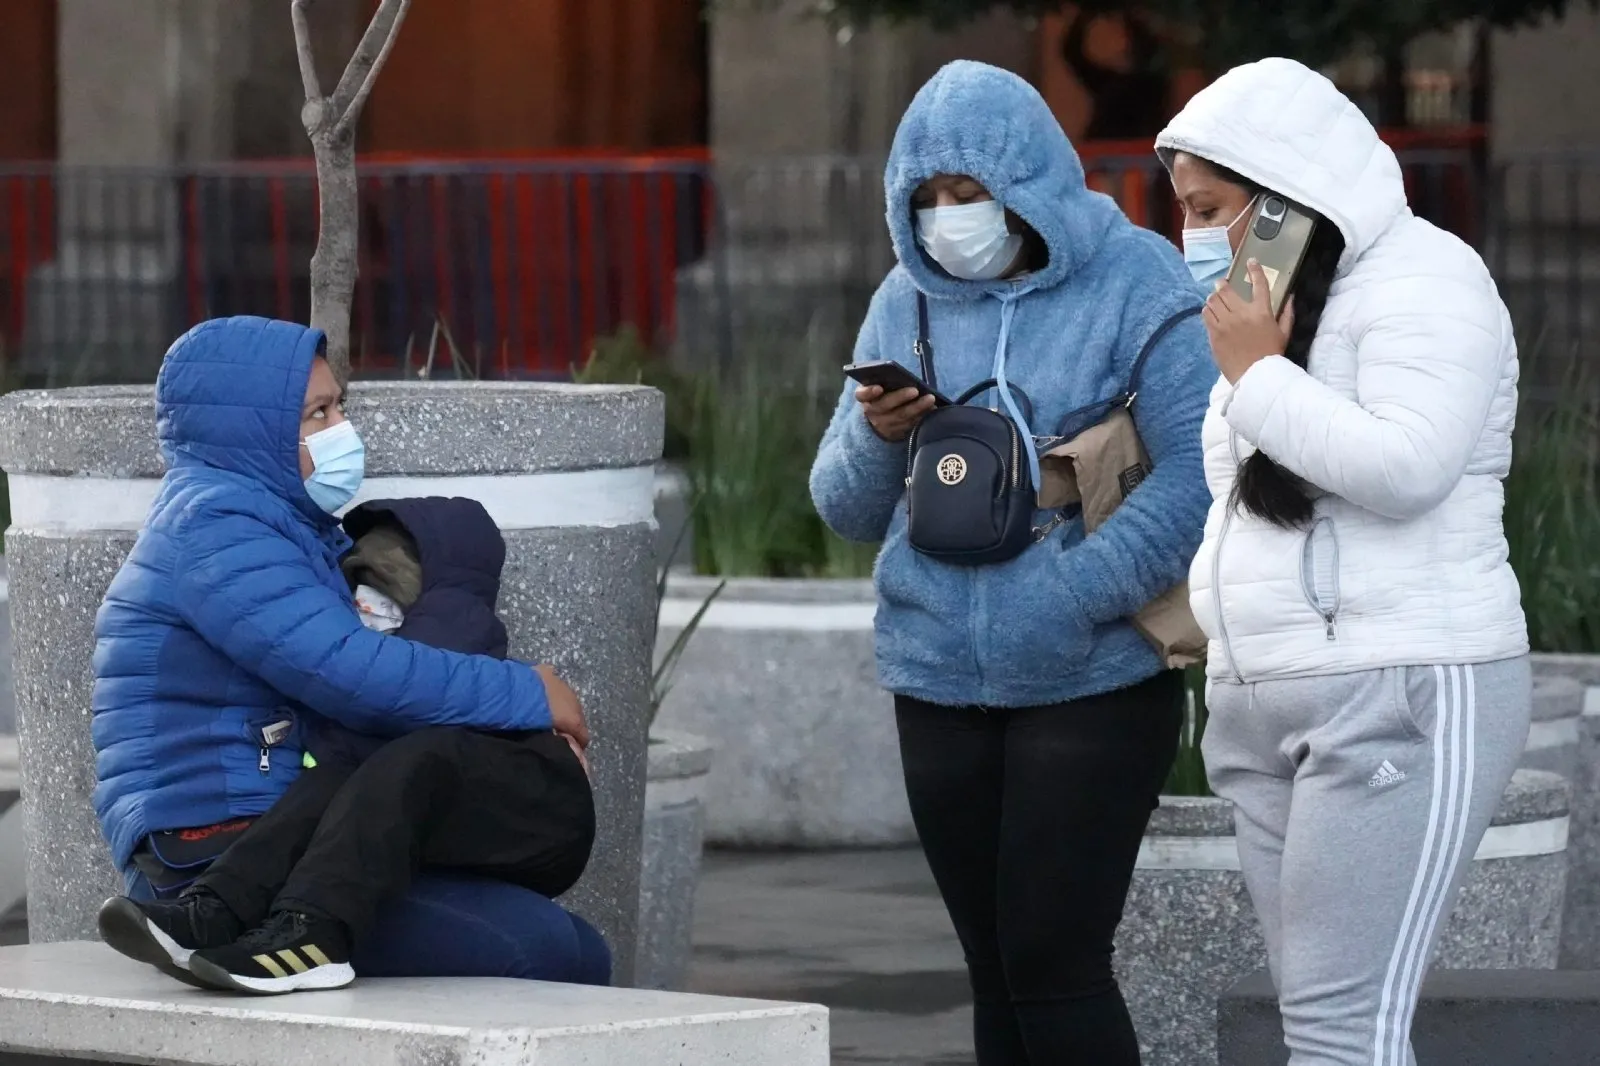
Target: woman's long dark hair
x,y
1262,487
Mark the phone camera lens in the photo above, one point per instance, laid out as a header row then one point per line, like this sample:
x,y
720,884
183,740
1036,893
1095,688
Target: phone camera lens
x,y
1274,207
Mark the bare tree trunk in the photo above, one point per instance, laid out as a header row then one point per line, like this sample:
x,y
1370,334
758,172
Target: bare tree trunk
x,y
330,122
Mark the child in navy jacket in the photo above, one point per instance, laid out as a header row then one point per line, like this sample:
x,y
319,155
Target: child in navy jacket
x,y
278,902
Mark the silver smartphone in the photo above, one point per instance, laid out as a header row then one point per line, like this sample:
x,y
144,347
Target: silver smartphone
x,y
1279,234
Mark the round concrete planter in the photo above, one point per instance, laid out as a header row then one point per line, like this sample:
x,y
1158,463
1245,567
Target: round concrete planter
x,y
780,676
674,835
1189,931
1580,925
567,473
1553,736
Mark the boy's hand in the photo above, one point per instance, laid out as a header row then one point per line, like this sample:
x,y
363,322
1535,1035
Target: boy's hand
x,y
583,760
566,713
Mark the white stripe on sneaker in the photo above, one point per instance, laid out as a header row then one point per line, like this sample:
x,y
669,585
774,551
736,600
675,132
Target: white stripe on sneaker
x,y
1382,1025
179,954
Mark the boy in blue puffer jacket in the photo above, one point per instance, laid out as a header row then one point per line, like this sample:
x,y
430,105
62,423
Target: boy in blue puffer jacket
x,y
229,648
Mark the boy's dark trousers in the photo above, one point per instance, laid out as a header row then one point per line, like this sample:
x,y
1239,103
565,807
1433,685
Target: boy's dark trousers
x,y
344,839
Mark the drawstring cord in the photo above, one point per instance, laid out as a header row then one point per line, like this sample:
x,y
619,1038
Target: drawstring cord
x,y
1008,307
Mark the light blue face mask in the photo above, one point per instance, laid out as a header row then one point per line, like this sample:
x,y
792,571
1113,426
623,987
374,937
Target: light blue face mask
x,y
1209,251
338,462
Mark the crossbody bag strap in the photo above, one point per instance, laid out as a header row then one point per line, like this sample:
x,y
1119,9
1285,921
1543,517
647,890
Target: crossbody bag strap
x,y
924,347
1149,346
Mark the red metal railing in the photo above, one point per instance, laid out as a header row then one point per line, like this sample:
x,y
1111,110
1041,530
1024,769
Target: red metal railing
x,y
525,259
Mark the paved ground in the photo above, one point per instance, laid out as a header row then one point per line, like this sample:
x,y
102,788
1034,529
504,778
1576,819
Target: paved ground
x,y
863,933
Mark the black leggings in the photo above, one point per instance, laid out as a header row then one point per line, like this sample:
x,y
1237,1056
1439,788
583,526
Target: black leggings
x,y
1031,821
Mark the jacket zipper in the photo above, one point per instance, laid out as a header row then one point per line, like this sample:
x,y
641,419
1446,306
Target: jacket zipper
x,y
1308,576
1216,571
271,736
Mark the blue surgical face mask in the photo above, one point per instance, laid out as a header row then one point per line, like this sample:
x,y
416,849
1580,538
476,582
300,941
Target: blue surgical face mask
x,y
339,463
1208,249
970,241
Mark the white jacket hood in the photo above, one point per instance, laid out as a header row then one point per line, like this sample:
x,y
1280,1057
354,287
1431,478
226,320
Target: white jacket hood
x,y
1287,128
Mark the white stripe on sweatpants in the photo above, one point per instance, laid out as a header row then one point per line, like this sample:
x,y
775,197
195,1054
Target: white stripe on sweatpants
x,y
1465,697
1431,885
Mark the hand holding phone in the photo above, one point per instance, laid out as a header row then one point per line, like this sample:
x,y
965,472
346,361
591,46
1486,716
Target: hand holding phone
x,y
892,398
1244,332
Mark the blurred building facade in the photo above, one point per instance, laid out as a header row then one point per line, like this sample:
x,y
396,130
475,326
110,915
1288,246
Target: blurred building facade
x,y
540,173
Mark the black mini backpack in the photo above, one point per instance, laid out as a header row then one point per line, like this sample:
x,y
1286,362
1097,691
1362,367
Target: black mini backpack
x,y
970,497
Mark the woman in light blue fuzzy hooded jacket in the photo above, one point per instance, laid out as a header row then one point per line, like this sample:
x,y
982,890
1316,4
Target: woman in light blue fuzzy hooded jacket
x,y
1036,725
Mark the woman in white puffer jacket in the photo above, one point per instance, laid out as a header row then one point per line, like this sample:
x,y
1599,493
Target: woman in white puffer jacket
x,y
1369,680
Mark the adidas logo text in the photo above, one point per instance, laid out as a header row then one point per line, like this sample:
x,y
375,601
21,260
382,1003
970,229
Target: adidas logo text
x,y
1386,775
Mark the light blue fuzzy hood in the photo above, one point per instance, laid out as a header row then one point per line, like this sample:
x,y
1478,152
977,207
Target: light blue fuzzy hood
x,y
988,123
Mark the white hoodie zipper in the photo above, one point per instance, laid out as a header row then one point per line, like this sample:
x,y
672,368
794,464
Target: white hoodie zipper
x,y
1216,568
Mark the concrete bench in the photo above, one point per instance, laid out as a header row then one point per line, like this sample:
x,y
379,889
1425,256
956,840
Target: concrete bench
x,y
81,1001
1465,1018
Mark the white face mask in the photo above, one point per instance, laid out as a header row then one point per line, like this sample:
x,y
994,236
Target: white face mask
x,y
970,241
1208,249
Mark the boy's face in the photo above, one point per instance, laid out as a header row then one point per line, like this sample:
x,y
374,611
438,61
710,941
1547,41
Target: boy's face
x,y
324,409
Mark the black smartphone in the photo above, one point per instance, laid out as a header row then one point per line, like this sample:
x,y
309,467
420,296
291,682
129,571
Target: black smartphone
x,y
892,377
1279,234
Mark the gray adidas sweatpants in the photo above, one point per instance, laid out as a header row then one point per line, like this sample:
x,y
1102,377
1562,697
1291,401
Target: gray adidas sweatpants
x,y
1360,800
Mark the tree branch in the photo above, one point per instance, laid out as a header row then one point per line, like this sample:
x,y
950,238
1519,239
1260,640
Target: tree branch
x,y
302,45
367,62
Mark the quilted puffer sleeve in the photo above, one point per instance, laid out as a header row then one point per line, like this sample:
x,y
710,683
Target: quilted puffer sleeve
x,y
251,593
1428,367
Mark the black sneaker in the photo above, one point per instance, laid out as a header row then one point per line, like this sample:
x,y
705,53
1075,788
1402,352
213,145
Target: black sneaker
x,y
166,934
293,952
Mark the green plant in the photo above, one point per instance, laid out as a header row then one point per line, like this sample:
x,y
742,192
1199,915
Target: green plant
x,y
661,677
751,444
623,358
1552,517
1188,774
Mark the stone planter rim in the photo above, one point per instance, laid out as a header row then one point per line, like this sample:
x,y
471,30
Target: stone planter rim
x,y
513,427
673,755
1556,696
1581,666
683,584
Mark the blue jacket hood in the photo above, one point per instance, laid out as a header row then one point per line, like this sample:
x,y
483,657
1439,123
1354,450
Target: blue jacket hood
x,y
974,119
229,397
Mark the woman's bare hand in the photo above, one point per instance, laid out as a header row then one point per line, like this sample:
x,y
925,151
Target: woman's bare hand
x,y
894,415
1243,332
